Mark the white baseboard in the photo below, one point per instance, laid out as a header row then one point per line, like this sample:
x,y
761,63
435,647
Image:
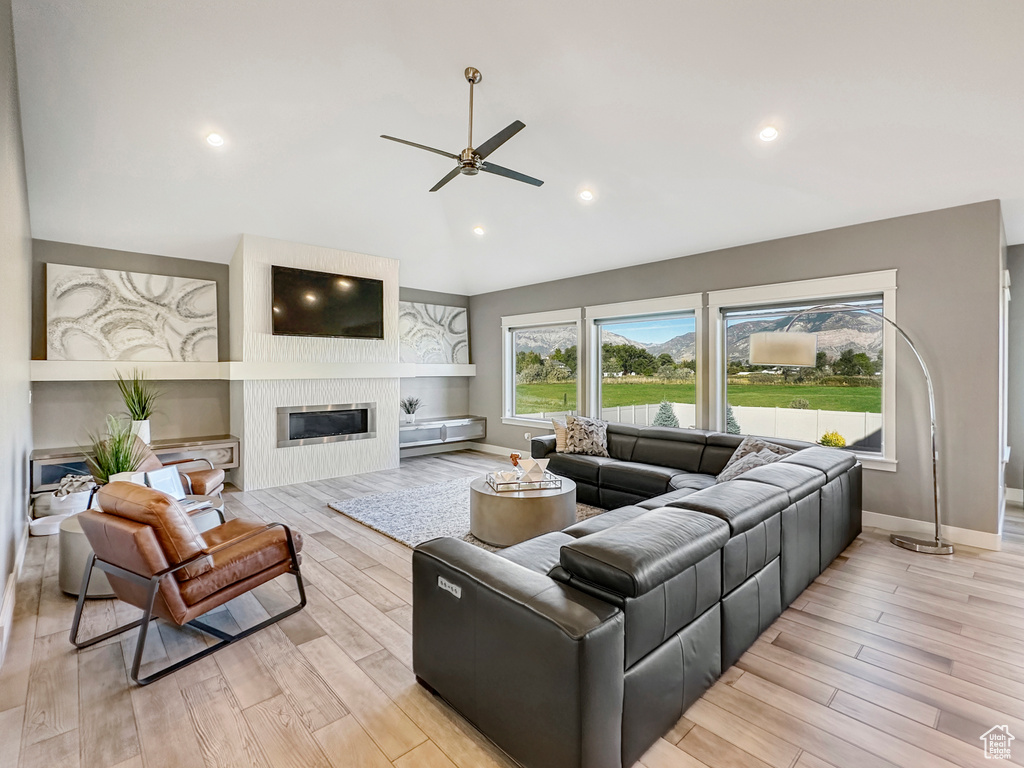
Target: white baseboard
x,y
1016,495
7,603
965,536
497,449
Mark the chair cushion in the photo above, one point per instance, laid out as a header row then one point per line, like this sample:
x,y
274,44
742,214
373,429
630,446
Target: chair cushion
x,y
235,563
577,467
175,531
539,554
831,461
741,505
797,480
150,461
206,482
667,499
621,439
670,447
601,522
641,479
692,481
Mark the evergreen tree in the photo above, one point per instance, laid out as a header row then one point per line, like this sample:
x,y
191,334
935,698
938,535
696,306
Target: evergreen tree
x,y
731,425
665,417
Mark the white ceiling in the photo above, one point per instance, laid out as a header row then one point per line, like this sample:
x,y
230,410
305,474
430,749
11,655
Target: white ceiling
x,y
885,108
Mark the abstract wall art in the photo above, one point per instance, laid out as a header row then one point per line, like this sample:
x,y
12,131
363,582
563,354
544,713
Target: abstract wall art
x,y
432,333
106,314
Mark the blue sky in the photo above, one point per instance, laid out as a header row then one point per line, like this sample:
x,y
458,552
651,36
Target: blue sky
x,y
652,331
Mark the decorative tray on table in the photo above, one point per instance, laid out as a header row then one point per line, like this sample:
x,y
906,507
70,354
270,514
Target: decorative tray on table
x,y
510,480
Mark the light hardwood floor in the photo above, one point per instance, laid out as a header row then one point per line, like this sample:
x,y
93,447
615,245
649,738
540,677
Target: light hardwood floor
x,y
890,658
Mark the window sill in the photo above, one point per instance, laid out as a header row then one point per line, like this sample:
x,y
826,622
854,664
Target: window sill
x,y
875,462
536,423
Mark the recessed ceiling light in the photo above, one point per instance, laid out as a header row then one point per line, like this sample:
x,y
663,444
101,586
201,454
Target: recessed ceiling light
x,y
215,140
478,230
310,297
769,133
586,195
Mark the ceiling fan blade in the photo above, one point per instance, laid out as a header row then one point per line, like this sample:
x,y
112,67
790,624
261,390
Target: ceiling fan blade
x,y
445,180
499,138
499,171
421,146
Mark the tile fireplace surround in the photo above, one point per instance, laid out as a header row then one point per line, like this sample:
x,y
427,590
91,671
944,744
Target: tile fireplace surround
x,y
255,401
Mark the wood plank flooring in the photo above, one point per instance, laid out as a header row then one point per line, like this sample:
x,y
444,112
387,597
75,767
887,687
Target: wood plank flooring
x,y
888,659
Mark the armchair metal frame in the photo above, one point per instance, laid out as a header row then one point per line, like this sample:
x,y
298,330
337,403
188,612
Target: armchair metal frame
x,y
153,583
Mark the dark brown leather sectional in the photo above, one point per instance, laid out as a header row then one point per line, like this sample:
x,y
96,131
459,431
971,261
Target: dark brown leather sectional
x,y
580,648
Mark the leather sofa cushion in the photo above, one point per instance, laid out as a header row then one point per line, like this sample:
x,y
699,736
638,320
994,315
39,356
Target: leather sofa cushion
x,y
577,467
539,554
237,562
642,479
679,448
601,522
719,449
741,505
175,531
621,439
692,481
667,499
831,461
635,556
798,481
206,482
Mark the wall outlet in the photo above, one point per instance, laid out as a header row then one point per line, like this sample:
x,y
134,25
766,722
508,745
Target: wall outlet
x,y
528,436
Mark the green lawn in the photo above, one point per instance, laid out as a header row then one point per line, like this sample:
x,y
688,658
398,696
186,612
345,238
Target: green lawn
x,y
536,398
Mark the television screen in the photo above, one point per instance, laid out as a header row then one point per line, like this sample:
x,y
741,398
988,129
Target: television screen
x,y
308,303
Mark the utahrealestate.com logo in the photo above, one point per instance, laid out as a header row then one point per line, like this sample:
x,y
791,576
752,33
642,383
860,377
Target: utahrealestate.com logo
x,y
997,742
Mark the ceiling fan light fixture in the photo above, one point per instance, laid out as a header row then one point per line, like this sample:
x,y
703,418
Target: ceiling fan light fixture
x,y
769,133
586,195
215,140
478,230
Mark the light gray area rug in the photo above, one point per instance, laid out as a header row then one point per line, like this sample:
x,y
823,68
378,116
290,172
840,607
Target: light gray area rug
x,y
415,515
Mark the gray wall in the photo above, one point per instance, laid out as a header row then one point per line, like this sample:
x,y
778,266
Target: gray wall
x,y
15,309
948,266
47,251
433,297
64,413
1015,395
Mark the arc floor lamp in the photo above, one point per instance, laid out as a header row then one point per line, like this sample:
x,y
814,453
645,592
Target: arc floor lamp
x,y
788,348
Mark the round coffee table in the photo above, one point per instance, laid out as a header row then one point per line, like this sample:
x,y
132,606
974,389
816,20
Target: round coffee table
x,y
509,517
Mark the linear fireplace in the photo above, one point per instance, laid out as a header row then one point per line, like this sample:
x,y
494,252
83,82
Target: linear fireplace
x,y
311,424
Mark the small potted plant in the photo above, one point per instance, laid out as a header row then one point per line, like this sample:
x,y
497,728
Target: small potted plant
x,y
114,453
833,440
409,407
139,395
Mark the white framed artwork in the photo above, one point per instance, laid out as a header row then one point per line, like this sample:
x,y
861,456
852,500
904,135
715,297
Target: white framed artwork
x,y
433,333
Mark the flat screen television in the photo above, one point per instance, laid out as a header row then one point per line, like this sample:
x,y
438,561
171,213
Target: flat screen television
x,y
308,303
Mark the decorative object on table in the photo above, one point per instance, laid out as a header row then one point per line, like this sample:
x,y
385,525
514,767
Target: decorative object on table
x,y
800,349
139,395
414,515
115,452
433,333
511,481
409,407
588,437
71,496
533,470
514,457
833,440
106,314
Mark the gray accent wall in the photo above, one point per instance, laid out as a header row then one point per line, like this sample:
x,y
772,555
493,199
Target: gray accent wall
x,y
48,251
15,309
1015,393
948,276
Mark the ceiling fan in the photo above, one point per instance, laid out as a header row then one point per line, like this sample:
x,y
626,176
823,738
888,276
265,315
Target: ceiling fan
x,y
471,161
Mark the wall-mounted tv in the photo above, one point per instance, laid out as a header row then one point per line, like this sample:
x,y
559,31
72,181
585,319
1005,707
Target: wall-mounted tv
x,y
308,303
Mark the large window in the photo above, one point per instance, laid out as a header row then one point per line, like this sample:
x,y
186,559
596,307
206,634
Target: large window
x,y
846,398
542,358
643,361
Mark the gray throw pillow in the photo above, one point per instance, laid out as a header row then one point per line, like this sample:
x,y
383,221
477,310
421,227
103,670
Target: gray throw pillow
x,y
586,436
748,462
756,445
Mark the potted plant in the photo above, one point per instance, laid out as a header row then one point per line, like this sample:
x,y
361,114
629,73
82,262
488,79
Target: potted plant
x,y
114,453
409,406
139,395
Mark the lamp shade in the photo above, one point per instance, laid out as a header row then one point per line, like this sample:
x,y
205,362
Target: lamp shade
x,y
787,348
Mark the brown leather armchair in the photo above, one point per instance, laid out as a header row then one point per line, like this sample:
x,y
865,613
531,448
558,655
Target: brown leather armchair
x,y
156,560
201,482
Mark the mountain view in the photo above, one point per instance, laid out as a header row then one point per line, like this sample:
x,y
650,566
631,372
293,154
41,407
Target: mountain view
x,y
837,331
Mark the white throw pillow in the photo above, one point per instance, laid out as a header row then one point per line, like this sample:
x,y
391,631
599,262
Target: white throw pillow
x,y
560,433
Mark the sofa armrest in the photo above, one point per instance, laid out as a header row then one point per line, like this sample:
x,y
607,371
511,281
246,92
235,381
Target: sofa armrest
x,y
541,447
534,664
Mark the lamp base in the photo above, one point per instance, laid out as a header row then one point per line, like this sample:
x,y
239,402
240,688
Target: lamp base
x,y
926,546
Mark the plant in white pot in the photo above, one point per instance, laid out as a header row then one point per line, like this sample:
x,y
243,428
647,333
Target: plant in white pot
x,y
409,406
139,395
114,453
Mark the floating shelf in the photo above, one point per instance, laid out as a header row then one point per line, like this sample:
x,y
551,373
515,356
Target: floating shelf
x,y
106,370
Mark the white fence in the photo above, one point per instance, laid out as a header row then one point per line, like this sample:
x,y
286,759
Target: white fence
x,y
794,423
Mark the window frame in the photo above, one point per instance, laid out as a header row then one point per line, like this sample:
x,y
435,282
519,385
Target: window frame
x,y
629,310
816,291
512,323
